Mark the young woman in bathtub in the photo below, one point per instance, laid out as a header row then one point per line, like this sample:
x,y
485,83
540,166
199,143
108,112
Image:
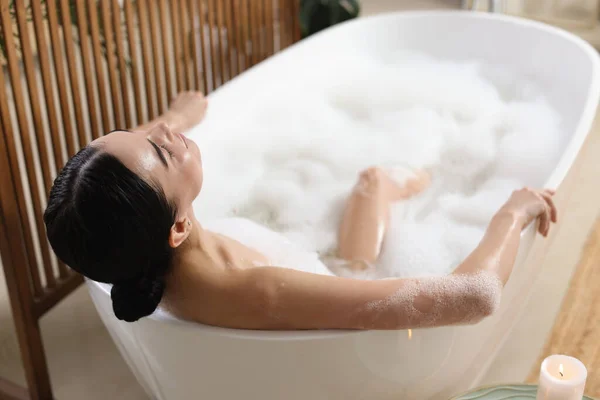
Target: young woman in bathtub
x,y
120,212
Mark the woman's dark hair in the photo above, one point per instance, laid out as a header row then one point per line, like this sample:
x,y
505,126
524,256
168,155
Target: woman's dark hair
x,y
112,226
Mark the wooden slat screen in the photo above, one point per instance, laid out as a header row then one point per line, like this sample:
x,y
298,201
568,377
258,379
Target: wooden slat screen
x,y
73,70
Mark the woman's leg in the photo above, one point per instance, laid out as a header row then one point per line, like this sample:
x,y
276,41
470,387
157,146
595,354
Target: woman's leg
x,y
185,111
367,213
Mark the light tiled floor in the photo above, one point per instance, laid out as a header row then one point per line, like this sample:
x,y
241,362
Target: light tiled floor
x,y
85,364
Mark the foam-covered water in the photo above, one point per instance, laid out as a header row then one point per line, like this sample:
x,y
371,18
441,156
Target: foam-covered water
x,y
290,163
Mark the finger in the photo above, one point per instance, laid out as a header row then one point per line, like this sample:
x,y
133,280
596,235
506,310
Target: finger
x,y
548,217
548,214
553,213
544,223
541,219
544,214
551,191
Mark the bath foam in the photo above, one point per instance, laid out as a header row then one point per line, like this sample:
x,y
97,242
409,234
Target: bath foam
x,y
429,247
426,302
290,162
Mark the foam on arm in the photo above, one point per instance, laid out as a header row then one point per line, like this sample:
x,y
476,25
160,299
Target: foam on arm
x,y
297,300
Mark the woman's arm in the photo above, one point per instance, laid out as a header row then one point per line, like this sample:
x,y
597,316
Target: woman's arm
x,y
498,249
280,298
186,111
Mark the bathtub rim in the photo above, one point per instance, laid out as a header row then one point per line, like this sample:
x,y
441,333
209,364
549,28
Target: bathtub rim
x,y
567,159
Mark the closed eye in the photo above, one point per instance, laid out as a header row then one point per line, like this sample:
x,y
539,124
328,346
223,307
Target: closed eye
x,y
159,153
162,146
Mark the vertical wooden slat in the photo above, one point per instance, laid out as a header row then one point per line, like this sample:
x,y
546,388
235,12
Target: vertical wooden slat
x,y
255,31
42,148
180,78
231,39
204,57
88,74
296,19
279,21
238,22
21,299
116,13
246,23
45,67
289,21
270,49
193,14
19,293
214,60
112,65
32,88
185,40
284,23
160,94
7,130
59,69
130,19
145,43
225,69
73,68
98,61
167,55
260,12
15,77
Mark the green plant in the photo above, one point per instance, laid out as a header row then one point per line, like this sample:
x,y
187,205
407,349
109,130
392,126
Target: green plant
x,y
316,15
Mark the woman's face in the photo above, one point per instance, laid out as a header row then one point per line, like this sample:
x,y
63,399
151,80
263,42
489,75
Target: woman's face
x,y
161,157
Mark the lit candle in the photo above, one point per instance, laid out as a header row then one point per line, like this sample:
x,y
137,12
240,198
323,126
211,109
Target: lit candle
x,y
561,378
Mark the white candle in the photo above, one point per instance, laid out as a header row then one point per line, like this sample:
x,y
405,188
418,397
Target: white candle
x,y
561,378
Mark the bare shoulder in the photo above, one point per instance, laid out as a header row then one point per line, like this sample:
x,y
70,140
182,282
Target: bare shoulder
x,y
193,287
265,298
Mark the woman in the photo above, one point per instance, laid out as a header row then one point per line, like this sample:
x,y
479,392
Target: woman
x,y
120,212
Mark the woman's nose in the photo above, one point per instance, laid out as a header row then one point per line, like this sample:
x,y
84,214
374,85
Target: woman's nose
x,y
161,132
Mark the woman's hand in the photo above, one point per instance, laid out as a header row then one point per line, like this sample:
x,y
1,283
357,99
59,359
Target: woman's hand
x,y
528,204
186,111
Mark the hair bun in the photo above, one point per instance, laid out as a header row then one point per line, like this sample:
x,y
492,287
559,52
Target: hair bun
x,y
136,299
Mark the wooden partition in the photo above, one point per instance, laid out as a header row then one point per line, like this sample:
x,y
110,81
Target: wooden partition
x,y
73,70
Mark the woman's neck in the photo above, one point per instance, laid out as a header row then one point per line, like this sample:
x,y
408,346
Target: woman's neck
x,y
198,239
215,251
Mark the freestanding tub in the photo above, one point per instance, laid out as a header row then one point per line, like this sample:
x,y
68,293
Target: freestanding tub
x,y
177,360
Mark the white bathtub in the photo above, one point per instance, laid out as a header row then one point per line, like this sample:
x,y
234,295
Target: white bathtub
x,y
175,360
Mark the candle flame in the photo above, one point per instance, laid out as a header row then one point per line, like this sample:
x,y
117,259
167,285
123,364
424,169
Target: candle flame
x,y
560,370
409,334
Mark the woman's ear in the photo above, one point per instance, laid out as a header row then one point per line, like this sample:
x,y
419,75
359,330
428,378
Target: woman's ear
x,y
180,231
